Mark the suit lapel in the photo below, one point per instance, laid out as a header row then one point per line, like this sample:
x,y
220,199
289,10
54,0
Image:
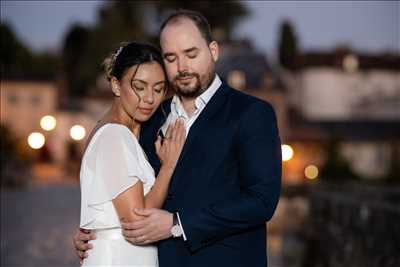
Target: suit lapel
x,y
216,103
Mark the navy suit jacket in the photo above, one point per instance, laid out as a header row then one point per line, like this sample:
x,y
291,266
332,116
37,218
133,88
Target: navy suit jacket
x,y
226,184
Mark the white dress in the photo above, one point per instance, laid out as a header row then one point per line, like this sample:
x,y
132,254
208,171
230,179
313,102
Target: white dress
x,y
113,162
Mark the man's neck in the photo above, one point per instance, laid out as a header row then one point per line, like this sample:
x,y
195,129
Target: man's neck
x,y
189,105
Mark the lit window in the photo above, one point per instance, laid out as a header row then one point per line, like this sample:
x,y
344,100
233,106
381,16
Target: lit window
x,y
237,79
35,100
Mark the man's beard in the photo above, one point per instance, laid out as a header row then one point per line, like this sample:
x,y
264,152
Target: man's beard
x,y
200,86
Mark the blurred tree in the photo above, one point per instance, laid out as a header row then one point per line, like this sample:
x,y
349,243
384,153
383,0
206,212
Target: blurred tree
x,y
18,62
75,59
118,21
85,48
14,57
221,25
287,45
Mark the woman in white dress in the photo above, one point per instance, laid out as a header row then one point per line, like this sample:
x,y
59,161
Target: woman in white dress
x,y
115,175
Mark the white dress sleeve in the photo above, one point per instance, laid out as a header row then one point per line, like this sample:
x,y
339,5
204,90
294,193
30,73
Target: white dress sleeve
x,y
112,165
117,165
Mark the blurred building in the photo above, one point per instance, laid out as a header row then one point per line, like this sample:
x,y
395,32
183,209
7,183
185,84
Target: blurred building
x,y
248,70
24,103
348,97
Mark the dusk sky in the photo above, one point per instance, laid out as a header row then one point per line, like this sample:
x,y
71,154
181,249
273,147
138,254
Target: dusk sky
x,y
364,25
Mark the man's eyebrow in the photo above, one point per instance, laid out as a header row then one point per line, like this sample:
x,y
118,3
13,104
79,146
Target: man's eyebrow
x,y
169,54
190,49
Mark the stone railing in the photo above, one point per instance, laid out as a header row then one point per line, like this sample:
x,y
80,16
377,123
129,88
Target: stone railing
x,y
353,226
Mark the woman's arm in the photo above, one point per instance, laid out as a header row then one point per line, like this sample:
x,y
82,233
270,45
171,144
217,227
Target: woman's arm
x,y
169,153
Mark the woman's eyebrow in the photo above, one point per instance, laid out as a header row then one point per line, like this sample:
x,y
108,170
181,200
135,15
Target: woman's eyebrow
x,y
139,80
159,82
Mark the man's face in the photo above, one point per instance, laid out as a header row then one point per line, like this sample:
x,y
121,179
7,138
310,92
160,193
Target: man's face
x,y
189,60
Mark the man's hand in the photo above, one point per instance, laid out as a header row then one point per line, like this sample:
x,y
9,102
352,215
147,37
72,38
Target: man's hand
x,y
80,241
155,226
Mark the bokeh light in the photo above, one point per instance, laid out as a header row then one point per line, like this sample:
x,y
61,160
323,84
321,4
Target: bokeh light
x,y
350,63
311,172
77,132
36,140
287,152
48,123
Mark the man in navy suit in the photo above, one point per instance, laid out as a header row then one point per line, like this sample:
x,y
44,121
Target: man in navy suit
x,y
227,181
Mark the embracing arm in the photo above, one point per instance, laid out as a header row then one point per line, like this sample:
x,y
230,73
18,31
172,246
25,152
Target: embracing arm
x,y
259,155
134,198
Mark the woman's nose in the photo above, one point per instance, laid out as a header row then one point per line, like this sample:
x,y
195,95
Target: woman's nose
x,y
149,97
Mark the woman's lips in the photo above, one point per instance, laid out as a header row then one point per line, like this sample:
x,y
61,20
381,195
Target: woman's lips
x,y
146,111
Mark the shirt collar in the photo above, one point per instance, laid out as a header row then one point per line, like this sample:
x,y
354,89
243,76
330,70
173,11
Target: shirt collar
x,y
201,101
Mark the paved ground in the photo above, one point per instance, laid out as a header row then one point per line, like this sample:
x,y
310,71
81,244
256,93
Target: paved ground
x,y
37,225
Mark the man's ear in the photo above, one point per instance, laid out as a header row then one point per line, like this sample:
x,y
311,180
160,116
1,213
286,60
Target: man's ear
x,y
115,87
214,48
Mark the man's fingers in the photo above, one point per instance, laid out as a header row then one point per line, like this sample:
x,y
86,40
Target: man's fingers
x,y
140,233
134,225
84,237
144,212
135,233
83,246
83,254
145,242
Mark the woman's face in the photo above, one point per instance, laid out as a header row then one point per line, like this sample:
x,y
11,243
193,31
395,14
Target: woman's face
x,y
142,90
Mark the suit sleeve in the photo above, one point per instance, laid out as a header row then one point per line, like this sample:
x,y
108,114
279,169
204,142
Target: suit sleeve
x,y
259,153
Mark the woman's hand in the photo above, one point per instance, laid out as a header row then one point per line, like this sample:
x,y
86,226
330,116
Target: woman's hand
x,y
170,148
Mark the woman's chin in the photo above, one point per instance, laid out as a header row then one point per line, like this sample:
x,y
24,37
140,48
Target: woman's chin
x,y
142,117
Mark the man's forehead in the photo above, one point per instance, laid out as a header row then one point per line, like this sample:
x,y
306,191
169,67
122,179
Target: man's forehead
x,y
180,37
181,25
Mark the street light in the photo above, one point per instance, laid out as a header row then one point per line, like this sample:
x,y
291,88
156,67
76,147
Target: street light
x,y
287,152
311,172
350,63
77,132
48,123
36,140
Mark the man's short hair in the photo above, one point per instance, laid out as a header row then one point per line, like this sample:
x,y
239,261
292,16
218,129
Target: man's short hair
x,y
198,19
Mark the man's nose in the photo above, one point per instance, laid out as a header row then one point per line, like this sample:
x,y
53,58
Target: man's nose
x,y
182,65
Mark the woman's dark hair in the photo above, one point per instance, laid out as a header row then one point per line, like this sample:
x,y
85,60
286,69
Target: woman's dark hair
x,y
128,55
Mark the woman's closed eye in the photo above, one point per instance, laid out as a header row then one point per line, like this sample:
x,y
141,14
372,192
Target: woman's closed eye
x,y
137,86
159,89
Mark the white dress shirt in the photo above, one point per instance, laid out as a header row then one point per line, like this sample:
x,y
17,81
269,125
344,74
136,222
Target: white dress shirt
x,y
177,111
